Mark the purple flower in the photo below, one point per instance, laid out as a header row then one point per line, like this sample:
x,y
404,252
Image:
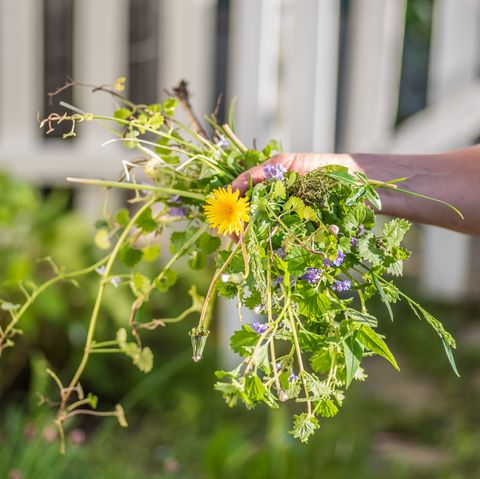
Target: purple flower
x,y
277,281
327,262
311,275
354,241
280,252
292,377
338,261
174,199
101,270
222,142
177,211
341,285
274,172
259,328
361,230
115,281
293,281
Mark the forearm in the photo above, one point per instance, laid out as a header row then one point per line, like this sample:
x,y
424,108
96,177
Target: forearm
x,y
453,177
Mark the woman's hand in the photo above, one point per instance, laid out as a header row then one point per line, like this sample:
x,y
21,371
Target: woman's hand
x,y
298,162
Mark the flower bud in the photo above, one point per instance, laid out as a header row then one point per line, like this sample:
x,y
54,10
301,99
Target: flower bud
x,y
199,339
282,396
334,229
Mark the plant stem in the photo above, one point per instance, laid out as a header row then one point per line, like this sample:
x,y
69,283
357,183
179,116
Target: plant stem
x,y
136,186
98,302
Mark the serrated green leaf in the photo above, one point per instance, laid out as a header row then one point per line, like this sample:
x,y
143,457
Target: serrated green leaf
x,y
394,231
130,256
151,252
368,250
304,425
169,106
243,340
372,341
198,260
208,243
165,280
146,222
122,217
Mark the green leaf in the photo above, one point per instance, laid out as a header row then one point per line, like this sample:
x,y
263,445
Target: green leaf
x,y
146,222
343,176
122,114
368,250
179,238
304,425
151,252
144,360
321,361
197,261
244,340
355,196
165,280
394,231
327,408
140,285
208,243
451,359
353,353
373,197
372,341
122,217
102,239
130,256
357,215
254,388
169,106
382,294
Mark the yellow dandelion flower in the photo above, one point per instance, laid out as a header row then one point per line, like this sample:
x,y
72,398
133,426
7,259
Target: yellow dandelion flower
x,y
226,211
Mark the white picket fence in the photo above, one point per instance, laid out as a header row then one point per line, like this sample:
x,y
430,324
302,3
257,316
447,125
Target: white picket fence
x,y
282,65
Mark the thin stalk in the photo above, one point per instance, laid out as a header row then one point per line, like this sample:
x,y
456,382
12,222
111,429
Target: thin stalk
x,y
136,186
98,302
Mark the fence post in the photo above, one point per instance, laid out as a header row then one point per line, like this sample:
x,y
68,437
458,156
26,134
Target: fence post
x,y
21,64
310,67
374,59
454,62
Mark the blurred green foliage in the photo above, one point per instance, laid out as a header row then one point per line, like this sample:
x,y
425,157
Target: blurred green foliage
x,y
421,423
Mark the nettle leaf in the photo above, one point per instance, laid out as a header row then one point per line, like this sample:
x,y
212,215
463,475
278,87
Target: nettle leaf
x,y
394,231
327,408
321,361
368,250
165,280
254,388
304,425
130,256
359,214
372,341
359,317
244,340
146,221
353,353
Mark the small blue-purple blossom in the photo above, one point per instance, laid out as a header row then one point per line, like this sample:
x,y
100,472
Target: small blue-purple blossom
x,y
327,262
292,377
177,211
174,199
360,230
222,142
311,275
354,241
293,281
101,270
341,285
280,252
277,281
274,172
259,328
115,281
338,261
